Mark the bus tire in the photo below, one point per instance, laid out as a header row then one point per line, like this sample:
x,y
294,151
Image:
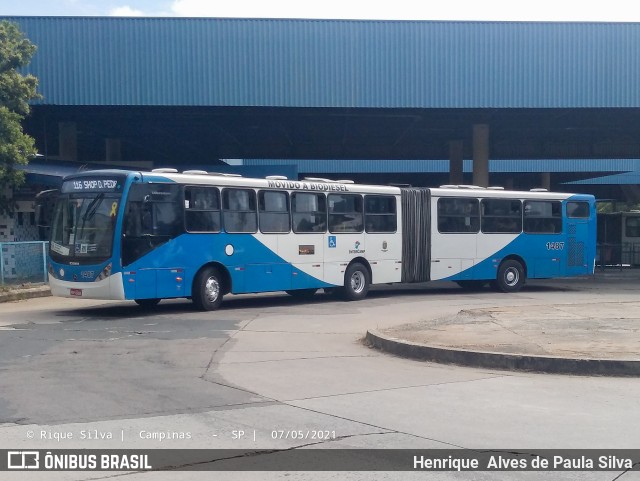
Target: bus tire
x,y
356,282
302,293
208,289
474,285
510,277
147,303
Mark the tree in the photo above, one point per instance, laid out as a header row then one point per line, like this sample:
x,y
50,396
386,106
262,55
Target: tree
x,y
16,90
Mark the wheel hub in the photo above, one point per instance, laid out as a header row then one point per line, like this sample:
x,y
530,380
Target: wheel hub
x,y
357,282
212,289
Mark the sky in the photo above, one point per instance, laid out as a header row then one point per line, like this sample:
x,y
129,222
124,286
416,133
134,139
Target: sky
x,y
509,10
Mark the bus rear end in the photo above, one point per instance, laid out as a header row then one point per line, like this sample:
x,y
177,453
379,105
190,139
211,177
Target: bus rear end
x,y
83,255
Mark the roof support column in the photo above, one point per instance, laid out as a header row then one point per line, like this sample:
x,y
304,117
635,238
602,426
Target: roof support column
x,y
113,150
545,180
455,162
68,141
508,183
481,155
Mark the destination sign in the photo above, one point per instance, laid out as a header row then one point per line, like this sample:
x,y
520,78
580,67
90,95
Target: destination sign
x,y
98,184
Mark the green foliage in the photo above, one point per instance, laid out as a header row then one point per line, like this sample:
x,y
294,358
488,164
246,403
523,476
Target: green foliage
x,y
610,206
16,90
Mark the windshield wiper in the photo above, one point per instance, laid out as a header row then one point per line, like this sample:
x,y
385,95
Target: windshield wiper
x,y
90,212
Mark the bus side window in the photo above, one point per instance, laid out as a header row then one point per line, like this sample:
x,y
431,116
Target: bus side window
x,y
309,212
632,227
273,208
239,210
345,213
202,209
578,210
380,213
542,217
153,216
134,220
501,216
458,215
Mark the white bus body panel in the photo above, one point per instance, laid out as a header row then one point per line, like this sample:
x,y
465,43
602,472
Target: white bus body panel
x,y
109,288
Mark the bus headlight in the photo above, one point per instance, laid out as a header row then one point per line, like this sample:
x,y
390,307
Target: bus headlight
x,y
106,272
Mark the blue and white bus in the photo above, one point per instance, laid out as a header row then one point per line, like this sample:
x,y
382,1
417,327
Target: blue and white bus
x,y
147,236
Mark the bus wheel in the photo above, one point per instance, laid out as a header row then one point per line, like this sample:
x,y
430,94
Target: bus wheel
x,y
302,293
510,276
207,289
147,303
472,285
356,282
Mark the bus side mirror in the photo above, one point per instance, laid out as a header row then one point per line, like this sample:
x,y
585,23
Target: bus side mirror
x,y
38,214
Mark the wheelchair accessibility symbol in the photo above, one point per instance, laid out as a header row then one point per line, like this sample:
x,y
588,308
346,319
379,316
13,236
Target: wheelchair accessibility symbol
x,y
332,241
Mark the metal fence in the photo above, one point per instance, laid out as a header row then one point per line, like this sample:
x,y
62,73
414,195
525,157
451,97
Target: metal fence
x,y
626,254
22,262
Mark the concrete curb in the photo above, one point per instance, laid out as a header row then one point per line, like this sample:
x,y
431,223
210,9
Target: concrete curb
x,y
495,360
25,293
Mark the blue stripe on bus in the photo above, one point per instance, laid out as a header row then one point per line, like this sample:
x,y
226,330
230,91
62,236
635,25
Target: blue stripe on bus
x,y
258,268
541,254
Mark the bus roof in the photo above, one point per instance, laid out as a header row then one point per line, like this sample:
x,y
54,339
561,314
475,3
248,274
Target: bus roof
x,y
506,194
317,185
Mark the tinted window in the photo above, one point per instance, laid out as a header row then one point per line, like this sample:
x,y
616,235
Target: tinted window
x,y
239,210
309,212
380,213
542,217
578,210
153,216
274,211
501,216
632,226
202,209
345,213
458,215
153,209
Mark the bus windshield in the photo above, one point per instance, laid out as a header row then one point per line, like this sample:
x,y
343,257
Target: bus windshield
x,y
83,227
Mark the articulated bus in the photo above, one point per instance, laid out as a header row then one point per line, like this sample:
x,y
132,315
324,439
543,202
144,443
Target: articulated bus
x,y
147,236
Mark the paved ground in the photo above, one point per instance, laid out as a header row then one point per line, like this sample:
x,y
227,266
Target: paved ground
x,y
590,330
598,335
264,364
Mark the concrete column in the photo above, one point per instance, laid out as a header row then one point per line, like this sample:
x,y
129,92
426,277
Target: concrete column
x,y
455,162
545,180
481,155
68,140
113,150
508,184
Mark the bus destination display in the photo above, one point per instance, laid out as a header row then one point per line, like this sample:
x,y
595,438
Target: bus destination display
x,y
92,185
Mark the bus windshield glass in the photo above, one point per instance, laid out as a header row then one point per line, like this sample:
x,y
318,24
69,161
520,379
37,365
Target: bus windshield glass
x,y
83,224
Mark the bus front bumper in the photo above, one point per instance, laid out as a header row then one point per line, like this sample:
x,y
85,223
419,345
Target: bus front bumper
x,y
109,288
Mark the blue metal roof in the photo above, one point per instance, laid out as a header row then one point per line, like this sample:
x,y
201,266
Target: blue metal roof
x,y
333,63
339,166
51,172
625,178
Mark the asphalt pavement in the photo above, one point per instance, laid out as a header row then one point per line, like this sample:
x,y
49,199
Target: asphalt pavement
x,y
265,366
